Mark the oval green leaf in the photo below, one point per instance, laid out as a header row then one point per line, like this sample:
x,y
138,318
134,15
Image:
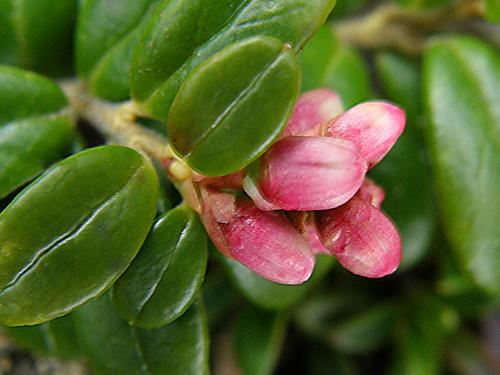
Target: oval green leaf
x,y
70,234
54,338
106,36
404,173
35,129
259,337
269,295
164,278
184,33
37,34
115,347
234,105
462,87
327,62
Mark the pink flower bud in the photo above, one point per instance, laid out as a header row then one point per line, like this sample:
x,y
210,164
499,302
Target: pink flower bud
x,y
361,237
264,241
310,173
313,109
372,193
373,126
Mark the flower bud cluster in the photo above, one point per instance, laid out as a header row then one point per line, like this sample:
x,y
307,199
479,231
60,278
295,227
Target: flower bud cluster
x,y
309,194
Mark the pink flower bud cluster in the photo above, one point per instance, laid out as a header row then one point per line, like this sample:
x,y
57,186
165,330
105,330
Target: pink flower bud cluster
x,y
309,194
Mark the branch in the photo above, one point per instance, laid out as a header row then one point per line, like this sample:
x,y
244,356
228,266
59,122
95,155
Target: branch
x,y
404,29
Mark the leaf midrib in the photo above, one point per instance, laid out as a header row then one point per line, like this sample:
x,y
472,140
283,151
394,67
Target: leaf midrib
x,y
233,106
68,235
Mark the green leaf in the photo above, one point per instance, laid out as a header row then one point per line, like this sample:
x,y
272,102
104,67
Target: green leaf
x,y
70,234
37,34
54,338
404,172
269,295
164,278
364,332
400,78
259,338
35,129
420,334
184,33
114,347
492,10
233,106
219,296
349,321
462,87
327,62
106,36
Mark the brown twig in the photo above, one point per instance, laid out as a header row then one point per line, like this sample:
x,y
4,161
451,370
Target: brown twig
x,y
404,29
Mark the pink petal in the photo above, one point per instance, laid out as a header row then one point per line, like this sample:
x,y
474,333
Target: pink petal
x,y
216,208
372,193
361,237
311,173
373,126
268,244
313,109
304,223
264,241
252,190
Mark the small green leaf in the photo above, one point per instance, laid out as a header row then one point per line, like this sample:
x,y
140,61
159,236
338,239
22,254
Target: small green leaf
x,y
348,321
37,34
404,172
69,235
233,106
327,62
259,338
164,278
269,295
364,332
420,333
114,347
462,87
106,36
54,338
184,33
35,130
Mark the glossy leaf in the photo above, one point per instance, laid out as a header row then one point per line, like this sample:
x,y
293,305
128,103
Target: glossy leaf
x,y
164,278
492,10
269,295
462,79
404,172
419,338
327,62
184,33
114,347
36,34
35,130
214,122
54,338
259,337
106,36
348,321
69,235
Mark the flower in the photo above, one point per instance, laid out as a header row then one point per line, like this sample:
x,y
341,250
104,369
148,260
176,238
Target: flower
x,y
309,194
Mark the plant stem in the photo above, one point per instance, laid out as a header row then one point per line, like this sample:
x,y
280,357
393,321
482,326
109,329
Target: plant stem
x,y
389,26
118,124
